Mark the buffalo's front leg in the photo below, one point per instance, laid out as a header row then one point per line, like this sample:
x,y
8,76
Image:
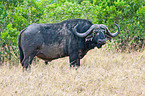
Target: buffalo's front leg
x,y
74,60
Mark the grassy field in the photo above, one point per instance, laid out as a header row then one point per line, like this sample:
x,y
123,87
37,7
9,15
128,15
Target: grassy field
x,y
102,73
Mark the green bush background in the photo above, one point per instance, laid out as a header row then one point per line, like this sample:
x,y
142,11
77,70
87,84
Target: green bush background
x,y
15,15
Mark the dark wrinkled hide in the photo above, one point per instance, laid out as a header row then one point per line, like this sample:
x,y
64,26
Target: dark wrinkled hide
x,y
52,41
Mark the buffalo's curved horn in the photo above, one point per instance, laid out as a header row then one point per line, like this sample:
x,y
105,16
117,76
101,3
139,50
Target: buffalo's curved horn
x,y
113,34
84,34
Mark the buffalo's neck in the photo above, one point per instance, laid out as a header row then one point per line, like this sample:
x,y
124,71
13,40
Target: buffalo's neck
x,y
89,45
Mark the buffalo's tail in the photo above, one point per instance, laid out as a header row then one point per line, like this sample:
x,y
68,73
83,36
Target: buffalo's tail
x,y
19,46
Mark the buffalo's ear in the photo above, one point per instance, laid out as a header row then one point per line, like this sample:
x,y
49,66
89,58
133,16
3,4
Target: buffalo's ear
x,y
89,38
108,37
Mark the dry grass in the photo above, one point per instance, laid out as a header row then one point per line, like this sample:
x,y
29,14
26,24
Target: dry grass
x,y
102,73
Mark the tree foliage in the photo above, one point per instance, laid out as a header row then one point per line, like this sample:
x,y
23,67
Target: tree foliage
x,y
16,15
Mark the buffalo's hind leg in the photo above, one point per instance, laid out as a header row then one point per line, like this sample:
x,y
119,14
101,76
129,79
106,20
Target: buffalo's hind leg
x,y
32,57
25,63
28,60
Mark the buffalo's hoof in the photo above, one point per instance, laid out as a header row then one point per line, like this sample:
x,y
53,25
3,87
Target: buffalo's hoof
x,y
46,62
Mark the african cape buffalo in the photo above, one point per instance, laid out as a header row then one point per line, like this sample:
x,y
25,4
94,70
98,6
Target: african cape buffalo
x,y
73,38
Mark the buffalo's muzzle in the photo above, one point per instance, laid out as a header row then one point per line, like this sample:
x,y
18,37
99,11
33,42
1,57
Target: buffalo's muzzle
x,y
101,41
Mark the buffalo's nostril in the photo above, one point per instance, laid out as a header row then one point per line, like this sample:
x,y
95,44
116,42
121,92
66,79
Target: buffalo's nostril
x,y
103,42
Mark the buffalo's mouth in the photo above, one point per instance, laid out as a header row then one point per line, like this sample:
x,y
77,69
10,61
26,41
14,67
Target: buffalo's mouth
x,y
98,45
100,42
